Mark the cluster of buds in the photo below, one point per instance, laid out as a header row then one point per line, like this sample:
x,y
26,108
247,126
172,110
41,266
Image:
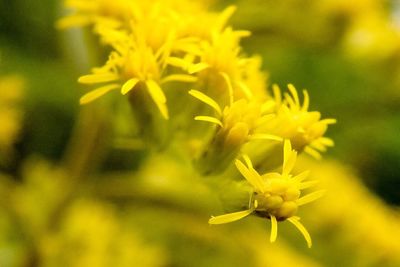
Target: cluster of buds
x,y
180,64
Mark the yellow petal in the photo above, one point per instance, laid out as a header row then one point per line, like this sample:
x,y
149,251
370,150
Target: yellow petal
x,y
98,78
318,146
274,229
328,121
287,148
310,197
158,97
194,68
229,85
129,85
289,156
179,78
302,176
271,175
252,177
326,141
208,119
177,62
312,152
224,17
306,101
277,94
248,161
266,137
246,90
230,217
308,184
206,99
302,230
290,101
295,96
92,95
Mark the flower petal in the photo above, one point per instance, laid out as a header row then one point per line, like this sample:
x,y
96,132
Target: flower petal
x,y
129,85
289,158
310,197
252,177
261,136
274,229
206,99
302,230
179,78
92,95
230,217
158,97
208,119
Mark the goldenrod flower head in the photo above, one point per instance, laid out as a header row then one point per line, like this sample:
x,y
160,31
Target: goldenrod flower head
x,y
244,114
219,64
275,195
237,124
294,121
222,54
133,64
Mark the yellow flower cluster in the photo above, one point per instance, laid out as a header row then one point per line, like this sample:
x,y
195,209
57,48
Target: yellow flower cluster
x,y
100,241
189,63
276,196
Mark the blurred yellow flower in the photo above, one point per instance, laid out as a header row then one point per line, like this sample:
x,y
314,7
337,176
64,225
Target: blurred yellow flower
x,y
133,65
91,235
11,91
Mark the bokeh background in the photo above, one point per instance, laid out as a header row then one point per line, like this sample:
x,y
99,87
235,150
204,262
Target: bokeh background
x,y
346,53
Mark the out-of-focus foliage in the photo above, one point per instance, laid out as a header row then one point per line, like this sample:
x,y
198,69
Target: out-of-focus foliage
x,y
76,190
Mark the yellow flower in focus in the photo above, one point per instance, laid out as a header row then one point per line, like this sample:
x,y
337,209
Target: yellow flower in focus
x,y
294,121
241,114
276,196
133,66
220,65
237,124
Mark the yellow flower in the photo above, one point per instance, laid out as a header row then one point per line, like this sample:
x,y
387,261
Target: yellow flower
x,y
276,196
293,121
244,114
236,124
220,65
132,66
